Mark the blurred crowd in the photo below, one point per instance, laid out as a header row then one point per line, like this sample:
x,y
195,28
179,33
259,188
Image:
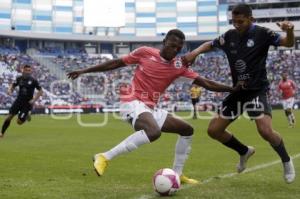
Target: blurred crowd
x,y
11,67
11,62
57,51
104,88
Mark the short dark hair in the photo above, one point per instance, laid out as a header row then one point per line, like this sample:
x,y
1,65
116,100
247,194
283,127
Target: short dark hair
x,y
26,66
242,9
176,32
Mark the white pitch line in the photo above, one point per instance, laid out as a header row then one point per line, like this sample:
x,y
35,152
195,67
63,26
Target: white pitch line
x,y
228,175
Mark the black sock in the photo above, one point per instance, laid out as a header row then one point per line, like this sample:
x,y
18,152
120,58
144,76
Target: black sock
x,y
5,126
286,113
236,145
281,151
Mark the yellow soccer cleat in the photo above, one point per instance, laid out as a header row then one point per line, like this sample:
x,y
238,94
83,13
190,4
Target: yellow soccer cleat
x,y
100,164
186,180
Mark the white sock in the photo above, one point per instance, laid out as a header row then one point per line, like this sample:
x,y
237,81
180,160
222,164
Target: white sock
x,y
293,118
129,144
182,150
290,119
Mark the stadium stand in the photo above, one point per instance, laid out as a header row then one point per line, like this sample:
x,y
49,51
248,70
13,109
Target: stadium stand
x,y
92,89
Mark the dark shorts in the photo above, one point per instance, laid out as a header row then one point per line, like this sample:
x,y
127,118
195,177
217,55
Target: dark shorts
x,y
21,108
255,103
195,101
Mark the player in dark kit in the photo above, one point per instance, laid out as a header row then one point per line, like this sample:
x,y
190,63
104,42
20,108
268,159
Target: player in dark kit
x,y
246,48
25,100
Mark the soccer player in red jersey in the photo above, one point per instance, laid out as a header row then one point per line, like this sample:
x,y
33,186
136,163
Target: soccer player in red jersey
x,y
288,90
156,70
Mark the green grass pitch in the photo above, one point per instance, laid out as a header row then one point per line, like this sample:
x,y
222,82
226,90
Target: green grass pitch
x,y
52,159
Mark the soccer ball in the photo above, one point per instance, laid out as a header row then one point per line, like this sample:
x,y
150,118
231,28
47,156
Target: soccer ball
x,y
166,182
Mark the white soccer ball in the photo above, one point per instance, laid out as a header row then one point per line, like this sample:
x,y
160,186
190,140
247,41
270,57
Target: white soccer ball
x,y
166,182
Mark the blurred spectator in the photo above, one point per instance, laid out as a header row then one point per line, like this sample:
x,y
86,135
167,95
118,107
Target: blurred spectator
x,y
105,87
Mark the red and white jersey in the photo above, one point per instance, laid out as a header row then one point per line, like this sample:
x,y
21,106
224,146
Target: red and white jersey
x,y
288,88
153,75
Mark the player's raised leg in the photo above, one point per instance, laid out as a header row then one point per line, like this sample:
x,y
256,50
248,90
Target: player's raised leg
x,y
24,112
147,131
183,145
14,109
264,127
6,124
217,130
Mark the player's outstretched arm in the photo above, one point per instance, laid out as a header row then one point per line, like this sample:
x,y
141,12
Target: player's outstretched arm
x,y
289,39
105,66
214,86
191,56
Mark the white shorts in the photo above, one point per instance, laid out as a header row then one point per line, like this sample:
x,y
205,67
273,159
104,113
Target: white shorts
x,y
288,103
131,111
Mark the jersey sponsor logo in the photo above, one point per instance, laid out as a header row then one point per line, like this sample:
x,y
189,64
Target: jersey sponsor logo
x,y
178,63
243,77
240,66
250,43
153,58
